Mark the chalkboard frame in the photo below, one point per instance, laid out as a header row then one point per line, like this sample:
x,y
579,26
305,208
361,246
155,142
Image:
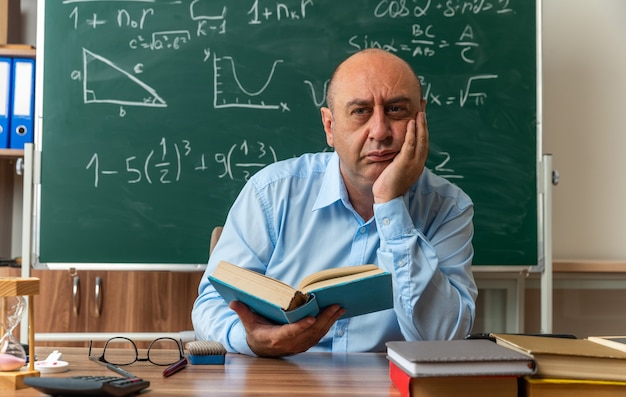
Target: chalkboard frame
x,y
199,266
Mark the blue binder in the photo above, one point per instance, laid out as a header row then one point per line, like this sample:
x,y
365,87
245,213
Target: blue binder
x,y
5,100
23,103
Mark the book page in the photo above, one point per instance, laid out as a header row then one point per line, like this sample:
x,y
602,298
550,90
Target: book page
x,y
339,280
258,284
333,273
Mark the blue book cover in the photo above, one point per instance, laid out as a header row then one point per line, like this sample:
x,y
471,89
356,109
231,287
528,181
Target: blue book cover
x,y
5,100
358,289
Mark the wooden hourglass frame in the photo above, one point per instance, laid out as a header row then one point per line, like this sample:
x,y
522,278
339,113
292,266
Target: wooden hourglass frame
x,y
17,286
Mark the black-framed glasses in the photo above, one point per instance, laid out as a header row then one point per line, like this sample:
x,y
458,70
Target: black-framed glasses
x,y
120,350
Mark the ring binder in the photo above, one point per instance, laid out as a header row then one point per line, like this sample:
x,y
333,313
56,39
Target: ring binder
x,y
22,105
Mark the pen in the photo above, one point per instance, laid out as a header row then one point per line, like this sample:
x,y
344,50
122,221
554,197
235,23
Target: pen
x,y
120,371
177,366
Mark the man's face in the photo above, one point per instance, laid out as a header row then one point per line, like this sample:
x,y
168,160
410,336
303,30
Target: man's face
x,y
375,96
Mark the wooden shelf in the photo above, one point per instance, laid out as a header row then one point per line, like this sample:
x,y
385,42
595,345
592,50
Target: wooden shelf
x,y
588,266
19,50
11,153
15,50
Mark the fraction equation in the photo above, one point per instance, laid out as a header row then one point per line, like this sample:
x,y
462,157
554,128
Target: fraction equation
x,y
168,162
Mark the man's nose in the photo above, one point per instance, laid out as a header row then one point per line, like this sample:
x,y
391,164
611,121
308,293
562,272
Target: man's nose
x,y
379,126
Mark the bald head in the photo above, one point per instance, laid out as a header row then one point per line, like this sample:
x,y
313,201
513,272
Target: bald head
x,y
368,63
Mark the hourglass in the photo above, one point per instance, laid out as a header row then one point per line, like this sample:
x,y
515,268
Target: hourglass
x,y
12,355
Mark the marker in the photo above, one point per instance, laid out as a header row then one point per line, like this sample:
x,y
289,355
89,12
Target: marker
x,y
177,366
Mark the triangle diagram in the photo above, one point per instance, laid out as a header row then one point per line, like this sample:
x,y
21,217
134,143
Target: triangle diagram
x,y
104,82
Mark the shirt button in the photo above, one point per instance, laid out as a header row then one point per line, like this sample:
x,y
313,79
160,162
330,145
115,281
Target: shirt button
x,y
362,230
386,221
400,263
340,333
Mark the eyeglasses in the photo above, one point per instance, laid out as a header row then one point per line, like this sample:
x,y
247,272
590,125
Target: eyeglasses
x,y
123,351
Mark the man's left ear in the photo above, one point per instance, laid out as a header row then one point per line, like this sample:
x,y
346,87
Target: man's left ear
x,y
327,122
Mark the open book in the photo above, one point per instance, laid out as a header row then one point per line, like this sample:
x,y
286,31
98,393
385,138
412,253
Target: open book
x,y
359,289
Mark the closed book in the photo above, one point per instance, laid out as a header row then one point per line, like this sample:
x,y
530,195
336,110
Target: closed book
x,y
552,387
569,358
358,289
444,386
458,357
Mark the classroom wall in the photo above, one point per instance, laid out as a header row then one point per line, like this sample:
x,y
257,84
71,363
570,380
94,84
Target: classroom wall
x,y
584,81
28,21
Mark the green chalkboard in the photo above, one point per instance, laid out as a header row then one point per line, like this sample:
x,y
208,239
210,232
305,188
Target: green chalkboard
x,y
154,113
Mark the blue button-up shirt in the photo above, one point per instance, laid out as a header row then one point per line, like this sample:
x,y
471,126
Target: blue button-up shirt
x,y
294,218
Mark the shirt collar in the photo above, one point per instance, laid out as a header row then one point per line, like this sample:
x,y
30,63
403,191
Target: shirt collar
x,y
333,188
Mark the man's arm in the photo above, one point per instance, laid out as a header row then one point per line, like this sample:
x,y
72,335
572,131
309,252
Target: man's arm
x,y
434,290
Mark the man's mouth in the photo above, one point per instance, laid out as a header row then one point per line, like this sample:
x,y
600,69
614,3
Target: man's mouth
x,y
379,156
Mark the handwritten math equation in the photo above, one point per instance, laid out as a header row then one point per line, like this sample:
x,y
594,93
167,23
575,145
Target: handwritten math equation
x,y
206,22
168,162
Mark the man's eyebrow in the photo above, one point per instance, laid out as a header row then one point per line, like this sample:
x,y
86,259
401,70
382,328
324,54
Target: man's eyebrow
x,y
366,102
358,102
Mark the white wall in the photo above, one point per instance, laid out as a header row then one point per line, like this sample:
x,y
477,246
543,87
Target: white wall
x,y
584,65
28,22
584,119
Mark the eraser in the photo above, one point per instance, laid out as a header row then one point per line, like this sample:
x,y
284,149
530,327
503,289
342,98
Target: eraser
x,y
206,352
218,359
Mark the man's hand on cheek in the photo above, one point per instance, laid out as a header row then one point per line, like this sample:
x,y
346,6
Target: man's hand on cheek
x,y
407,166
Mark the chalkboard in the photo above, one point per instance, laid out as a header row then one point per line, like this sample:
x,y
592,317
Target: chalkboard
x,y
155,113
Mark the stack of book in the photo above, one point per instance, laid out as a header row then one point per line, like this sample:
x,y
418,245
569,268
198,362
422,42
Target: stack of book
x,y
515,365
469,367
571,367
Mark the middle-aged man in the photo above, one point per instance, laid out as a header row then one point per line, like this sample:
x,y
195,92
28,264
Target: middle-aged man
x,y
371,201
